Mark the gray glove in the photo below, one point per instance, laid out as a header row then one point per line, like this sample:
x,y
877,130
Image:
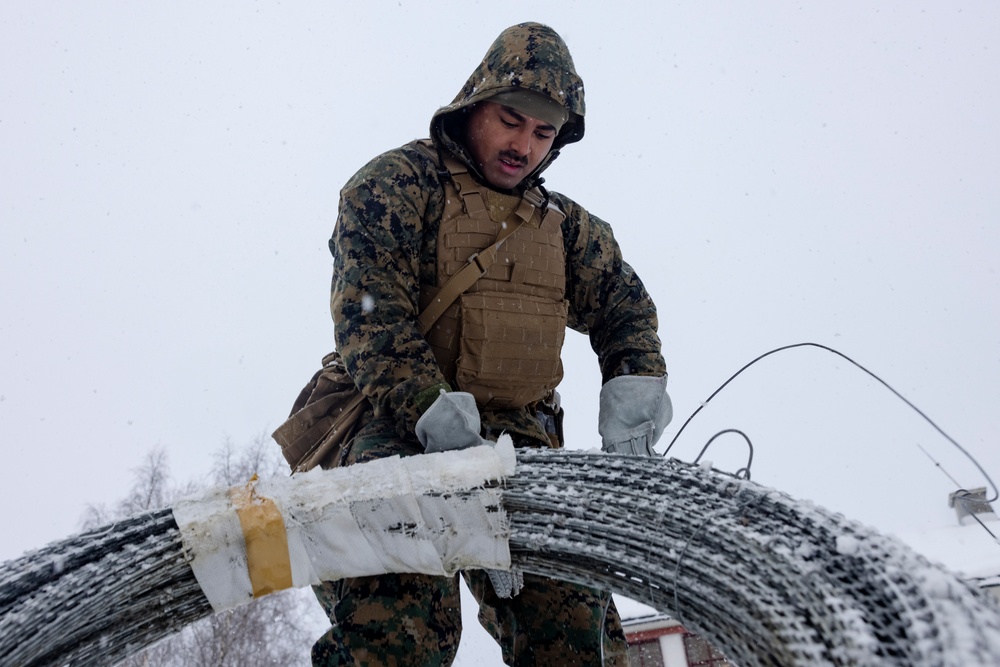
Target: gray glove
x,y
634,411
452,422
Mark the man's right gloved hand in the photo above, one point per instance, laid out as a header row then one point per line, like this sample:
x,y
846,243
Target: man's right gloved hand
x,y
452,422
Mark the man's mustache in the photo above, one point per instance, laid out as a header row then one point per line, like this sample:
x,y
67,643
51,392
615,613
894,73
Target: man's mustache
x,y
511,156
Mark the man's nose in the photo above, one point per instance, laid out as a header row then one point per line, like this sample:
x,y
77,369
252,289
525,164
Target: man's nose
x,y
521,143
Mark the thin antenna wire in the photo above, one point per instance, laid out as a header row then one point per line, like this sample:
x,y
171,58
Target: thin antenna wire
x,y
983,526
939,466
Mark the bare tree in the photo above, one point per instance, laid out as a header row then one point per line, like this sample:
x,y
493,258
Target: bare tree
x,y
272,631
267,632
150,490
235,465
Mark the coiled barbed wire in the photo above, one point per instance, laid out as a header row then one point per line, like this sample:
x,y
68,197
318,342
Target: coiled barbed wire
x,y
766,578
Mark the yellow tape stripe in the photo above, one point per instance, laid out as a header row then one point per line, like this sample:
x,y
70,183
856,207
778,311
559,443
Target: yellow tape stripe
x,y
268,563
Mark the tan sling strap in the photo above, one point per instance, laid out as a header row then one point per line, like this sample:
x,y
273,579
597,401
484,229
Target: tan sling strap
x,y
480,262
329,409
477,267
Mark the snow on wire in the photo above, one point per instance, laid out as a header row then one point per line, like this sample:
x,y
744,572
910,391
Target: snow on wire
x,y
768,579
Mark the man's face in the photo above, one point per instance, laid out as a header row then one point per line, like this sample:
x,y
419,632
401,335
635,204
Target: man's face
x,y
506,144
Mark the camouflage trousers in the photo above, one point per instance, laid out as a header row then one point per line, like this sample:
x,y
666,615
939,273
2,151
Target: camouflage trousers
x,y
398,620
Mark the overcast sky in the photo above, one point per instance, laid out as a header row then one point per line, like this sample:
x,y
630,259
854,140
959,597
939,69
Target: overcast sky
x,y
776,172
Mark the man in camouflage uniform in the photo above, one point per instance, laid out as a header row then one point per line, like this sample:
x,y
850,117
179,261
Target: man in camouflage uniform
x,y
408,220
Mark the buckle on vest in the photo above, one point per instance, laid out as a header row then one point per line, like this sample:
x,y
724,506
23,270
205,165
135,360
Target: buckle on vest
x,y
474,259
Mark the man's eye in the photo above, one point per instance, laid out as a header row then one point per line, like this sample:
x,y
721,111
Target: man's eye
x,y
507,123
544,136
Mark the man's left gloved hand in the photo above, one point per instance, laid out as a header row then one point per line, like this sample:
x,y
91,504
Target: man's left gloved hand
x,y
634,411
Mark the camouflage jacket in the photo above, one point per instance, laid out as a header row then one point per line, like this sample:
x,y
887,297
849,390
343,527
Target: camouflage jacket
x,y
385,242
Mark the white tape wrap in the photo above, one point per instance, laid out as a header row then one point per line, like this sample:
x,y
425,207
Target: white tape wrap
x,y
390,515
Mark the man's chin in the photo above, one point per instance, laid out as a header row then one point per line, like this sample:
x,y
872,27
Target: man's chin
x,y
503,181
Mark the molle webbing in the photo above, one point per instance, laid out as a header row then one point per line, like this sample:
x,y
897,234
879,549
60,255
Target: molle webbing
x,y
502,340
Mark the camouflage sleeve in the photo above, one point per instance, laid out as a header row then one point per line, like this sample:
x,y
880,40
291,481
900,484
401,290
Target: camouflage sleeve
x,y
377,245
607,300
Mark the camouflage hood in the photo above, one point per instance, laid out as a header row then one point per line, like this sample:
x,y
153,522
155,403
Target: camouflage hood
x,y
530,56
